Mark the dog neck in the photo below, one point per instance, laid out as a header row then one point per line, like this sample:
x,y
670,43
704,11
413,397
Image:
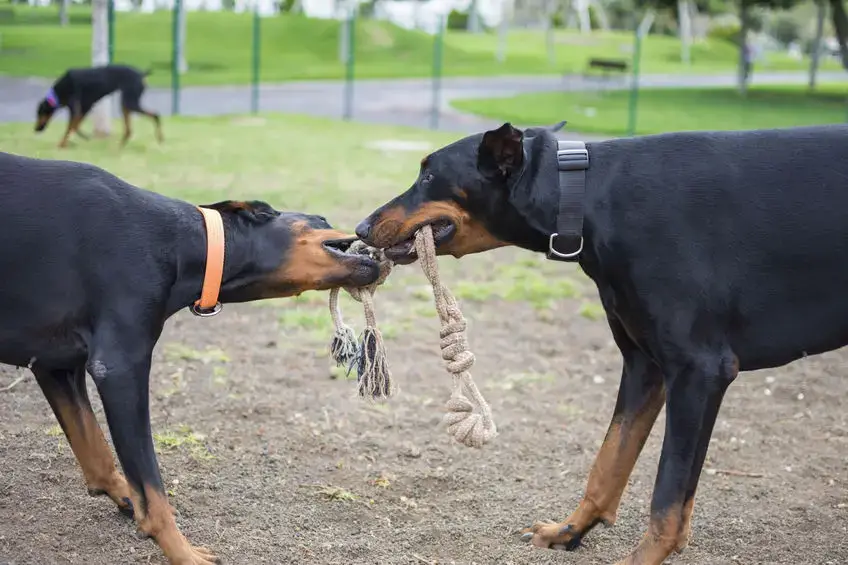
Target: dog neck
x,y
242,269
534,192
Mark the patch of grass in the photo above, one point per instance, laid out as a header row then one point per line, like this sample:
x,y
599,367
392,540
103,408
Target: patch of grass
x,y
181,352
664,110
183,439
218,48
592,311
177,383
55,431
520,281
306,318
334,494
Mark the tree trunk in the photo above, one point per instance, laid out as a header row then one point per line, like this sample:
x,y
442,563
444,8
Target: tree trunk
x,y
817,41
182,65
684,18
647,22
743,44
600,14
550,8
582,9
840,24
503,29
64,18
101,114
473,25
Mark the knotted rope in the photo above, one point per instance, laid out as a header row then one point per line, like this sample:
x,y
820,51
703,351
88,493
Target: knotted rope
x,y
470,428
373,377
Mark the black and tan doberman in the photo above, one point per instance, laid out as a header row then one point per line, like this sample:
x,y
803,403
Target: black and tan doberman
x,y
80,89
93,267
712,252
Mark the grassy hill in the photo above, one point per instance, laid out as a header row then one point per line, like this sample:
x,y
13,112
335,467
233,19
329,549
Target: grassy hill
x,y
296,47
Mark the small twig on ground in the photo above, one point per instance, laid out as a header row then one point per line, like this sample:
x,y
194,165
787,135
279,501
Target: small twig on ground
x,y
422,560
15,383
732,473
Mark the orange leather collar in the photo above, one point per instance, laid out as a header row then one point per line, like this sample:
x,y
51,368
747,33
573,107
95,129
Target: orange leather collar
x,y
208,304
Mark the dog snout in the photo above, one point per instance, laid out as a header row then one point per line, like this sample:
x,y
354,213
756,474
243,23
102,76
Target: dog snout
x,y
363,230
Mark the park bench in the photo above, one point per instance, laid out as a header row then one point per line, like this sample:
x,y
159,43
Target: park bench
x,y
607,66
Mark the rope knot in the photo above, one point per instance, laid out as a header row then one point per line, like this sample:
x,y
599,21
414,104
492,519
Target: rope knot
x,y
467,426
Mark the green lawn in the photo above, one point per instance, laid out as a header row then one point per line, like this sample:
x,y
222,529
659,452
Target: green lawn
x,y
295,47
662,110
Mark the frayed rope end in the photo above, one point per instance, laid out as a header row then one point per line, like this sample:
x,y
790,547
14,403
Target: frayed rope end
x,y
372,368
343,346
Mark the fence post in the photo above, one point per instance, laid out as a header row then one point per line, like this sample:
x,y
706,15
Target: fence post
x,y
438,43
257,48
634,86
175,59
351,42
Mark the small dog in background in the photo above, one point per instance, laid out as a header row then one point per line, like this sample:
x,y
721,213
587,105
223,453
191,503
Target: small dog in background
x,y
80,89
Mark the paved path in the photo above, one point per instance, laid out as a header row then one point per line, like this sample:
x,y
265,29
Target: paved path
x,y
397,101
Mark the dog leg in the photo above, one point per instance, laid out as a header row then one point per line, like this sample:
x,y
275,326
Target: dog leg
x,y
695,391
73,123
68,397
640,398
157,122
127,128
124,388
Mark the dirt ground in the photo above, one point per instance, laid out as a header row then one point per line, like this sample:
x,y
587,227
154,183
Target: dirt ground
x,y
270,460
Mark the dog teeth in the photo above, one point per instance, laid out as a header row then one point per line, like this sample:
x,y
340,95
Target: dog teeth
x,y
527,537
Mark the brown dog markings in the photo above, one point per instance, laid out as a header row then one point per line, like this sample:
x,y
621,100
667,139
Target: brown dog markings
x,y
73,125
660,540
308,265
686,528
157,521
396,225
92,452
612,467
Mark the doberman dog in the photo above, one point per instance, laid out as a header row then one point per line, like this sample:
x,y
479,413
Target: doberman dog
x,y
712,252
93,267
80,89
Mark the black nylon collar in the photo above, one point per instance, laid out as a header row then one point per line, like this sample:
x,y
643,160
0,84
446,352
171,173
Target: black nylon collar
x,y
566,243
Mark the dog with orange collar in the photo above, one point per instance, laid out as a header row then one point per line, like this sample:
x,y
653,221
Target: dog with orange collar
x,y
93,267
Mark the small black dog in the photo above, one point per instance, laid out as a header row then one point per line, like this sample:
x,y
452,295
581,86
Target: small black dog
x,y
712,252
80,89
93,267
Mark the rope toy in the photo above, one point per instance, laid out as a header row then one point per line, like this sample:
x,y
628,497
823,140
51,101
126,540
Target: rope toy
x,y
467,426
373,377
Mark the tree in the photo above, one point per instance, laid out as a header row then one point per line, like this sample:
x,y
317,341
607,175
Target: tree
x,y
815,53
840,24
64,18
101,114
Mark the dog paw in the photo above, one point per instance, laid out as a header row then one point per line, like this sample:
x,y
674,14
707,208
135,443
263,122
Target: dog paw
x,y
552,535
199,556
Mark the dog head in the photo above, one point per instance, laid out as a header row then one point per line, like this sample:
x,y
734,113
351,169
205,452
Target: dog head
x,y
289,253
46,108
463,191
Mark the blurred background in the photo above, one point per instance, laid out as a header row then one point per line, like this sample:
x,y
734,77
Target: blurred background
x,y
609,67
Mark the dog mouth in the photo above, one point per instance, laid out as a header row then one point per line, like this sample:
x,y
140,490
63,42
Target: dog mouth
x,y
404,252
362,269
339,247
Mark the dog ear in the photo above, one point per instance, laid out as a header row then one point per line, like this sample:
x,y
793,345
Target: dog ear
x,y
255,210
533,132
501,150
